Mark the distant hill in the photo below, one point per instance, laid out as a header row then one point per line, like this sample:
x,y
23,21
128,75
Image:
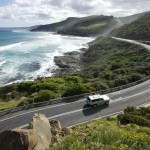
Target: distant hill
x,y
85,26
129,19
90,26
137,30
97,25
55,27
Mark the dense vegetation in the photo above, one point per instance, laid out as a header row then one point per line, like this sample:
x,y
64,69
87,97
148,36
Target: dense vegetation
x,y
138,29
139,116
106,64
109,135
41,90
110,63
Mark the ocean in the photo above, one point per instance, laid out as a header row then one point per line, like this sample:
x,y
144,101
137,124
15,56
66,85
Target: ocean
x,y
27,55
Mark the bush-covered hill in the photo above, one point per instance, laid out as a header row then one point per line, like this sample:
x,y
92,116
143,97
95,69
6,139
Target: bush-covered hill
x,y
54,27
110,134
90,26
137,30
86,26
111,63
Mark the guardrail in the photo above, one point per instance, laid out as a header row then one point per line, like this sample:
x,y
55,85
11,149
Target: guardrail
x,y
70,98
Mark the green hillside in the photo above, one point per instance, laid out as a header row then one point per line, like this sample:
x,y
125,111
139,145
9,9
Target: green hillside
x,y
138,29
111,63
85,26
109,134
54,27
90,26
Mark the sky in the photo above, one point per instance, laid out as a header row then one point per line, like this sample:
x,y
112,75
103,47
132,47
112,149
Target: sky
x,y
21,13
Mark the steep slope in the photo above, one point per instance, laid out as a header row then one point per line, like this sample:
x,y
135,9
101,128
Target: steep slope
x,y
131,18
90,26
85,26
137,30
110,134
54,27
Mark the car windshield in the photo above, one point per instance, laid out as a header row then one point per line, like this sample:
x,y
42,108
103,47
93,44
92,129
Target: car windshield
x,y
89,99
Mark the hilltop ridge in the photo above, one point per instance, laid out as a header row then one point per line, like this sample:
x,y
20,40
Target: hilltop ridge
x,y
96,25
137,30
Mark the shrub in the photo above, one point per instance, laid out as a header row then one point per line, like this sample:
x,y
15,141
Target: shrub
x,y
24,86
74,79
120,81
128,118
136,77
76,89
100,86
26,102
45,95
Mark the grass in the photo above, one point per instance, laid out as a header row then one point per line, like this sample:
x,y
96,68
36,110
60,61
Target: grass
x,y
93,26
8,105
106,135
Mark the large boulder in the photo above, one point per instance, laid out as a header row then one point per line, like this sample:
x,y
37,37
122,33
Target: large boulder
x,y
40,124
36,137
39,135
18,139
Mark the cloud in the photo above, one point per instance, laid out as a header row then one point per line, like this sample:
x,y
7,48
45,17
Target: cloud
x,y
47,11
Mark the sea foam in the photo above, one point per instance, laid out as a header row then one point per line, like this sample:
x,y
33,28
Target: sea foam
x,y
41,49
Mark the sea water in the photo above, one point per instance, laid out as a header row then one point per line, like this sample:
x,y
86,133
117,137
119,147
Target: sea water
x,y
27,55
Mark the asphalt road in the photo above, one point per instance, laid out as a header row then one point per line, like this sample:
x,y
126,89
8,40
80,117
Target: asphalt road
x,y
77,112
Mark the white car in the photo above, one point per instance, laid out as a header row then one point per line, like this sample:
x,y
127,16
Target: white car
x,y
97,99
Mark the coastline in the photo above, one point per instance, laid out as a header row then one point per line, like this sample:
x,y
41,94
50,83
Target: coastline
x,y
68,51
69,63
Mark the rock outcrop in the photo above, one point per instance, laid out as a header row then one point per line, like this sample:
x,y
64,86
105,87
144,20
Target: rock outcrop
x,y
40,124
58,132
38,136
18,139
67,63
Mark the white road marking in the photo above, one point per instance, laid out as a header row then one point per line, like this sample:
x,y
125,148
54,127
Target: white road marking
x,y
96,119
116,113
78,110
71,112
128,89
125,98
41,109
112,101
63,114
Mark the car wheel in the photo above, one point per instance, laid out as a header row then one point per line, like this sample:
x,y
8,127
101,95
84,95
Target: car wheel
x,y
94,105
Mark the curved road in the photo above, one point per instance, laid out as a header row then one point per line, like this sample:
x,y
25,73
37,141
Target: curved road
x,y
77,112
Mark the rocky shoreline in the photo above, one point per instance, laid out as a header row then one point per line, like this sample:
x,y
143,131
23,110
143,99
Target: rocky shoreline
x,y
69,62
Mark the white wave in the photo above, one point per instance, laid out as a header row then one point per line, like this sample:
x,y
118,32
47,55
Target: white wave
x,y
7,47
42,49
2,62
20,31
